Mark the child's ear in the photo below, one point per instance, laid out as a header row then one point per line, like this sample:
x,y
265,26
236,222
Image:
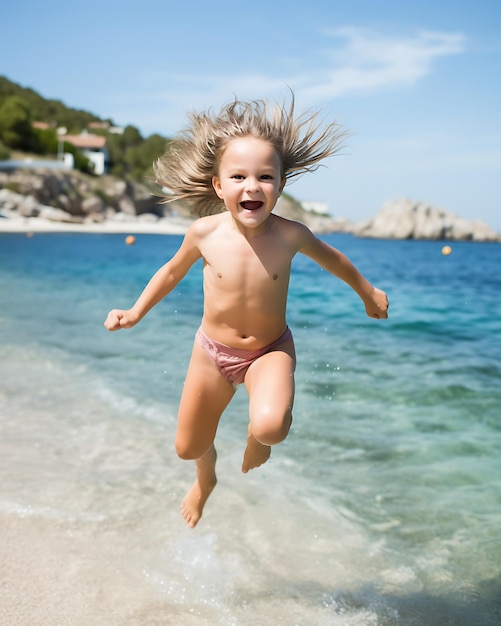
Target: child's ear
x,y
217,187
282,184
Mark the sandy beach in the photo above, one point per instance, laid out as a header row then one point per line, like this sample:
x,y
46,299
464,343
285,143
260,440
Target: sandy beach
x,y
165,226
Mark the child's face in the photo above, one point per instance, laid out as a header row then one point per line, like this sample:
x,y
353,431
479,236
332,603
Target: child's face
x,y
249,180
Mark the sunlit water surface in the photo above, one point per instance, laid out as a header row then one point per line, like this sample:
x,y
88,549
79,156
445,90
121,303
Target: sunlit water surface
x,y
383,507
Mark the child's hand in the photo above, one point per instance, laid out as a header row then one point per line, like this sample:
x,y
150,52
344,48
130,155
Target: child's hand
x,y
118,319
376,304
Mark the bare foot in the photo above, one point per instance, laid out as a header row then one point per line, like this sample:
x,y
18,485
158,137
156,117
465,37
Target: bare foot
x,y
194,501
255,454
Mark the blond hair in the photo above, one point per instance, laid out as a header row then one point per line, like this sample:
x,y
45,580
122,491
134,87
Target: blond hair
x,y
193,156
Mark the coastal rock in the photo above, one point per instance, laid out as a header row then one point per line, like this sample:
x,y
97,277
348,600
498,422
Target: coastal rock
x,y
405,219
28,194
14,205
113,188
57,215
126,205
93,204
80,198
318,222
77,194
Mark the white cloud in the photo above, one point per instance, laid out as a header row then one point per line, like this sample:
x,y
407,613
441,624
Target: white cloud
x,y
369,62
357,62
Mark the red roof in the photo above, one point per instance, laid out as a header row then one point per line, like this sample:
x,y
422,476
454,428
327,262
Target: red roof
x,y
86,140
41,125
101,125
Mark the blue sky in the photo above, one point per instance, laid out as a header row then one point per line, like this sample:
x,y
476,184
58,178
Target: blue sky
x,y
416,84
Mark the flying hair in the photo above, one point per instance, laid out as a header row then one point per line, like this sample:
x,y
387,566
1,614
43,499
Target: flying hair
x,y
193,156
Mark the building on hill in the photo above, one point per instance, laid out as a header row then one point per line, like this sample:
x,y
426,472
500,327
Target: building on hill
x,y
42,125
98,125
106,126
93,147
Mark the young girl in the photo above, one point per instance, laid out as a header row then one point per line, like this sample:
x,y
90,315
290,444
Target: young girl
x,y
235,166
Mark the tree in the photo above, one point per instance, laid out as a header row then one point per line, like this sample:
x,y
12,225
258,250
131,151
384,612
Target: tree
x,y
131,136
4,151
47,140
16,130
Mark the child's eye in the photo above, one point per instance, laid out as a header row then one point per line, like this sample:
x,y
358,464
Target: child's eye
x,y
266,177
237,176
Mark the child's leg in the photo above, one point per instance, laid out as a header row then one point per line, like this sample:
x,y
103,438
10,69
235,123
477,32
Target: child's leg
x,y
270,385
193,504
205,395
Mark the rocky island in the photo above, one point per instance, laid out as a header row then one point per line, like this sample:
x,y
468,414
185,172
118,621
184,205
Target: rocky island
x,y
405,219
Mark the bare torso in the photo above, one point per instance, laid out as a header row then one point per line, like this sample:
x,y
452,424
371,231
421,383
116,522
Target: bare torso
x,y
246,280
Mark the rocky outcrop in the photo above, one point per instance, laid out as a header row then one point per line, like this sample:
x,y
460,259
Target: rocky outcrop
x,y
318,222
72,196
75,198
404,219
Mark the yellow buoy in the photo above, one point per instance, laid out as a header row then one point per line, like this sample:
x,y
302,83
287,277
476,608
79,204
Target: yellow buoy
x,y
446,250
130,239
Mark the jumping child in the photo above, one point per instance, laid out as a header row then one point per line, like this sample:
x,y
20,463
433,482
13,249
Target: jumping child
x,y
233,167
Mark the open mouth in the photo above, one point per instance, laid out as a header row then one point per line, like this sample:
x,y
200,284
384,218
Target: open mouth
x,y
251,205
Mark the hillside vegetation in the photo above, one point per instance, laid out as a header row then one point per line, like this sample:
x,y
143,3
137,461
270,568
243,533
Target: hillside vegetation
x,y
131,154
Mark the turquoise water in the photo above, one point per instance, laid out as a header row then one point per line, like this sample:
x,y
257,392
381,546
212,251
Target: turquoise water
x,y
383,507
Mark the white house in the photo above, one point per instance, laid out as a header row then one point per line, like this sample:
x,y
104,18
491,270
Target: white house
x,y
93,147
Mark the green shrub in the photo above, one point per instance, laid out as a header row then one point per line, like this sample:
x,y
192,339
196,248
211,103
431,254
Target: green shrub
x,y
4,152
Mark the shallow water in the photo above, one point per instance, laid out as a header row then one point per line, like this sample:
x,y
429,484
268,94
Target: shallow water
x,y
382,507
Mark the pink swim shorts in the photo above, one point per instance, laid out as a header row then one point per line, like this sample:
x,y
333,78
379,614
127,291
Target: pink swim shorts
x,y
233,363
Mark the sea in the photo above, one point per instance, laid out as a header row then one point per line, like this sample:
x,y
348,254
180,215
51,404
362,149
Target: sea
x,y
382,507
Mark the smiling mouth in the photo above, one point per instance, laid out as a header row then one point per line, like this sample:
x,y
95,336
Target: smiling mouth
x,y
251,205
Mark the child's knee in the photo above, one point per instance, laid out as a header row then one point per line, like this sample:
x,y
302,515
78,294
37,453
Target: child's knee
x,y
184,453
271,428
189,451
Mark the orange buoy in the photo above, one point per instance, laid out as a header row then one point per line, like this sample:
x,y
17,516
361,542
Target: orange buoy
x,y
446,250
130,239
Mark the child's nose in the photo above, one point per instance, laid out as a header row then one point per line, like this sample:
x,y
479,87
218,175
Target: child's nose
x,y
252,185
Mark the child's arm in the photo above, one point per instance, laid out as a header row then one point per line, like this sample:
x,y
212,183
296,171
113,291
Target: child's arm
x,y
335,262
161,284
